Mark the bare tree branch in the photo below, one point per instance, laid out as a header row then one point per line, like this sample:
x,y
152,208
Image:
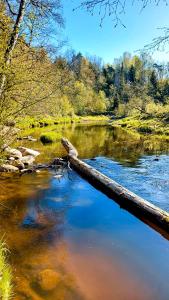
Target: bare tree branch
x,y
10,8
114,8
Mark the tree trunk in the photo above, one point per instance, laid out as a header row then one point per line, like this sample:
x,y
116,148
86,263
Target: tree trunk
x,y
12,43
144,210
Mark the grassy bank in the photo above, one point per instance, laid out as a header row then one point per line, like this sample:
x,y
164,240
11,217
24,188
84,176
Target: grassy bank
x,y
41,121
149,126
5,274
50,128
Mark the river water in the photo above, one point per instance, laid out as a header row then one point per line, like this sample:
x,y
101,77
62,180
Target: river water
x,y
68,241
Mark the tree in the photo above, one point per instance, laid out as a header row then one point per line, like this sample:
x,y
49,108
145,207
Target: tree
x,y
132,74
21,12
153,85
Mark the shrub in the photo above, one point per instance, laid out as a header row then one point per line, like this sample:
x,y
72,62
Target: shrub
x,y
145,129
50,137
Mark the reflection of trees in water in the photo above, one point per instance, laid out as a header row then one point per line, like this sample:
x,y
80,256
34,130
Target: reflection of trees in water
x,y
104,140
116,143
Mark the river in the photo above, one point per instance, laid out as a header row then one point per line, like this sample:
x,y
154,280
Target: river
x,y
68,241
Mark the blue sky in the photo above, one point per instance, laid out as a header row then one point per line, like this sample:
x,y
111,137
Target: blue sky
x,y
85,35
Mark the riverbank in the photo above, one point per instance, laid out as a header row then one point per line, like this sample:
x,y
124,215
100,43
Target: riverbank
x,y
148,126
44,121
5,274
27,125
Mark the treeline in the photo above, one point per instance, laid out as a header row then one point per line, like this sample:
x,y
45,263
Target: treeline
x,y
39,84
136,85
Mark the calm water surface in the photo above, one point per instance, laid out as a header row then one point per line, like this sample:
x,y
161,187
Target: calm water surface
x,y
68,241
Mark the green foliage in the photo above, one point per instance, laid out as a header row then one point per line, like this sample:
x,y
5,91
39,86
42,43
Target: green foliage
x,y
145,129
50,137
41,91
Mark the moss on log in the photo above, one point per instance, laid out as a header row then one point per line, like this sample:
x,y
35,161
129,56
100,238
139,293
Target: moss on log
x,y
144,210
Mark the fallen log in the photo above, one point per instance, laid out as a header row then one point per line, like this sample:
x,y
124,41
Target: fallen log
x,y
144,210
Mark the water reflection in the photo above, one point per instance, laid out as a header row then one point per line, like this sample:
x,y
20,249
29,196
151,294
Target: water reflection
x,y
149,178
94,140
68,241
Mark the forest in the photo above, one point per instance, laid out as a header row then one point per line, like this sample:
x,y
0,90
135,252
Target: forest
x,y
39,82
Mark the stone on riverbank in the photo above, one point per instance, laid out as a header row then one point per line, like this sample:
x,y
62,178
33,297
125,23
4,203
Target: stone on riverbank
x,y
27,160
19,164
18,159
27,151
8,168
29,138
13,153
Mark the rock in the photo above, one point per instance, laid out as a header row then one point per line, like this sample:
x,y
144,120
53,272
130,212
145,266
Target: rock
x,y
19,164
11,158
29,138
48,279
8,168
58,162
27,160
13,153
58,176
24,290
42,166
28,171
27,151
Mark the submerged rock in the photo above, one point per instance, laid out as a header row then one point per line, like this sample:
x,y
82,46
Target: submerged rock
x,y
27,151
23,290
48,279
8,168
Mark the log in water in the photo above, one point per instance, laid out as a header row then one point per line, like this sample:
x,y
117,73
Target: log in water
x,y
144,210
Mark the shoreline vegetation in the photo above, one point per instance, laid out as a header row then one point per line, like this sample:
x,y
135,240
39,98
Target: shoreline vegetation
x,y
5,274
32,122
152,127
141,124
27,125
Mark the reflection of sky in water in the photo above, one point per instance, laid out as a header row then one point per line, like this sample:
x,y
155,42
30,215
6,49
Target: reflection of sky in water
x,y
87,219
70,210
149,178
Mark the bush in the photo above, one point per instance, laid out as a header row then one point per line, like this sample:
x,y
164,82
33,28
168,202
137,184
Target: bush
x,y
145,129
50,137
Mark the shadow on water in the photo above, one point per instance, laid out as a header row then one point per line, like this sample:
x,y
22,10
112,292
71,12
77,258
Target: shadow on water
x,y
68,241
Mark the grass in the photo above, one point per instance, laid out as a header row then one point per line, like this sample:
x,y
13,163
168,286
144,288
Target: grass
x,y
50,137
151,126
5,274
44,121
